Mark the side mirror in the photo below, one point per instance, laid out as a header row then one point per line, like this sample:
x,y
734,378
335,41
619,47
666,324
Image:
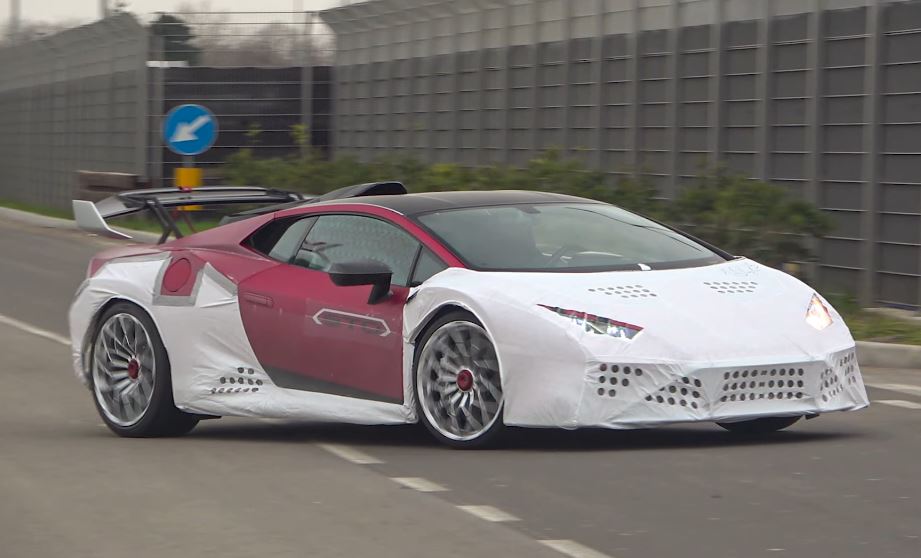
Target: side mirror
x,y
365,272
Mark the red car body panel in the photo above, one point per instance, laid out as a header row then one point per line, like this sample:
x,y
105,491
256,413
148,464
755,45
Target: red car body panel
x,y
179,278
312,335
307,333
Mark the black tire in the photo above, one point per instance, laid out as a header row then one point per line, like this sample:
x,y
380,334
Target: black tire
x,y
161,418
492,435
760,426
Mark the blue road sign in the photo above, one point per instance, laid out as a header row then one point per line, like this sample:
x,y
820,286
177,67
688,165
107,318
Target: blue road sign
x,y
190,130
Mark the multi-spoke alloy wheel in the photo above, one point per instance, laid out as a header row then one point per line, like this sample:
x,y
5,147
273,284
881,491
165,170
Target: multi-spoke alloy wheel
x,y
124,369
458,382
130,375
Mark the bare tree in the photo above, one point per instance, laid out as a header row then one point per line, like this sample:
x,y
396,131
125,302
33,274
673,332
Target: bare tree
x,y
31,30
238,39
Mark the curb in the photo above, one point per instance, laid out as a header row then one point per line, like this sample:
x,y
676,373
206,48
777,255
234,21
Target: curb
x,y
44,221
888,355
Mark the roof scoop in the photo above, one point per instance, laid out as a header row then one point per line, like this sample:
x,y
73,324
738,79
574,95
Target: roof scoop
x,y
364,190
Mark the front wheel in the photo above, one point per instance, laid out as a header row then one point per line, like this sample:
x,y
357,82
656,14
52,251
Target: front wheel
x,y
131,376
458,383
760,426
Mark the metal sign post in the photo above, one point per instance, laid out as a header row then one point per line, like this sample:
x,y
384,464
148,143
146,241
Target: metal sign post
x,y
189,130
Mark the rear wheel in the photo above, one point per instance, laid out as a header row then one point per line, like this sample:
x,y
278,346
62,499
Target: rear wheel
x,y
458,383
760,426
130,375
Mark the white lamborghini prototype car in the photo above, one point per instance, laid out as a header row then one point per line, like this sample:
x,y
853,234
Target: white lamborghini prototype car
x,y
465,311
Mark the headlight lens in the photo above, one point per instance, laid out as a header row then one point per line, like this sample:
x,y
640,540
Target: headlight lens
x,y
597,324
817,315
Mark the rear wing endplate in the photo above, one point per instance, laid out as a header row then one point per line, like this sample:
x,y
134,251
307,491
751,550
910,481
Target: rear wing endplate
x,y
89,219
92,217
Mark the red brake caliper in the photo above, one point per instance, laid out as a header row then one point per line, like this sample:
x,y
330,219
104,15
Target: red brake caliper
x,y
134,367
465,380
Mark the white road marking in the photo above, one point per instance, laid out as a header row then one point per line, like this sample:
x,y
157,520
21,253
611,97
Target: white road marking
x,y
489,513
573,549
351,454
22,326
420,484
900,403
901,388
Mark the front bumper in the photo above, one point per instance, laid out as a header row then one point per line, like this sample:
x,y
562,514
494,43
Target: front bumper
x,y
641,394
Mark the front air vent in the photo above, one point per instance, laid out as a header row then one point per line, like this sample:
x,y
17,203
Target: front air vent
x,y
838,377
245,380
763,383
625,291
615,376
732,287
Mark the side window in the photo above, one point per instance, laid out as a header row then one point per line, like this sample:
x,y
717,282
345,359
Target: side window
x,y
280,239
348,238
428,265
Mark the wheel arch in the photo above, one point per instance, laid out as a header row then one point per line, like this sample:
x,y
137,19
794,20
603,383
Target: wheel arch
x,y
421,332
87,345
436,313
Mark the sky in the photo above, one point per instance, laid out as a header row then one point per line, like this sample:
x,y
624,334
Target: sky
x,y
88,10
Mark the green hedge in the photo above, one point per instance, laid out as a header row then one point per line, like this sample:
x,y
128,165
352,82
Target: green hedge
x,y
743,216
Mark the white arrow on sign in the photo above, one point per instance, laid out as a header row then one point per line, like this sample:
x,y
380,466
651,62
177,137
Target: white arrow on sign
x,y
186,130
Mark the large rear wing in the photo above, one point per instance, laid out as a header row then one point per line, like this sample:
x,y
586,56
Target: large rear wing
x,y
92,217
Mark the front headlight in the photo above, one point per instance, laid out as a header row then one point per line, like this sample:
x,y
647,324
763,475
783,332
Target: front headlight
x,y
817,315
597,324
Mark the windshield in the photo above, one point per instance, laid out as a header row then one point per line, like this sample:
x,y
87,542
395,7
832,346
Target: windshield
x,y
563,237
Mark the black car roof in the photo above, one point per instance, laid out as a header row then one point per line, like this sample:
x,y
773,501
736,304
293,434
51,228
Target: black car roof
x,y
415,204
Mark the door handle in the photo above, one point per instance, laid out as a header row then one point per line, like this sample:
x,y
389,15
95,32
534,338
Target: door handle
x,y
258,299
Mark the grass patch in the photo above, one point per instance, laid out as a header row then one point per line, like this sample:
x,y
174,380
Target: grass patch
x,y
868,326
39,209
872,326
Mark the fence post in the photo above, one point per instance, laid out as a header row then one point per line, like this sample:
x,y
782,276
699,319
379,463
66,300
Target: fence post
x,y
765,84
307,77
717,67
673,118
155,113
870,220
814,140
142,104
633,78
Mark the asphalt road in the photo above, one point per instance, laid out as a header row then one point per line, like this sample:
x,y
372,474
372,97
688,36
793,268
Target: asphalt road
x,y
843,485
